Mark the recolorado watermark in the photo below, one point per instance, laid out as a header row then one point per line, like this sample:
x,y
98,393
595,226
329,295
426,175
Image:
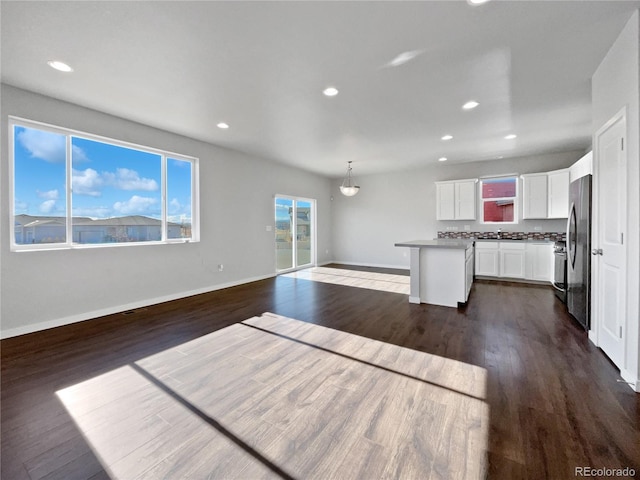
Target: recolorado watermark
x,y
604,472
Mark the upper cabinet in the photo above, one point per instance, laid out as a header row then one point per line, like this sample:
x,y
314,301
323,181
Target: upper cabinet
x,y
559,194
534,195
546,195
456,200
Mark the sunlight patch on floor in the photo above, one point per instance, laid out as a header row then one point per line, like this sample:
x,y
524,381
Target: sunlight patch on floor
x,y
353,278
274,397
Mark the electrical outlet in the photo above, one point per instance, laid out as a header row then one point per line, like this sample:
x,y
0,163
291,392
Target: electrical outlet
x,y
220,267
268,228
537,228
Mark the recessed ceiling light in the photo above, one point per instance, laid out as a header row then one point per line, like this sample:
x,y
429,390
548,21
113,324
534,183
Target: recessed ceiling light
x,y
223,125
330,91
403,58
511,136
477,2
60,66
446,137
471,104
442,159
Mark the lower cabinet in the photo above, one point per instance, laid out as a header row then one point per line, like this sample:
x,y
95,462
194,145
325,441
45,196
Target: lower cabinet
x,y
530,261
487,259
539,264
512,259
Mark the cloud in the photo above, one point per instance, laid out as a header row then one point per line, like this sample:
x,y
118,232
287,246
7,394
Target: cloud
x,y
174,206
93,212
126,179
49,195
20,206
47,146
86,182
78,155
47,206
135,205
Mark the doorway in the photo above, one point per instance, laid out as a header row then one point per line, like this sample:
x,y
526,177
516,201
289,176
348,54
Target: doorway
x,y
295,221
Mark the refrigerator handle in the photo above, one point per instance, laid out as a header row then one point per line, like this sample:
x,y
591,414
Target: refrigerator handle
x,y
571,235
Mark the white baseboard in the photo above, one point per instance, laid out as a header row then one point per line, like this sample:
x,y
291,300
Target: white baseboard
x,y
81,317
631,379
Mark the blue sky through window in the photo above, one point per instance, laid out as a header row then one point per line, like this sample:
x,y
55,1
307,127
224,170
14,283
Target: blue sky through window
x,y
108,180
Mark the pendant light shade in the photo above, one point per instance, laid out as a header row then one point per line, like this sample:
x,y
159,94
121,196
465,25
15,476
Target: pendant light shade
x,y
348,188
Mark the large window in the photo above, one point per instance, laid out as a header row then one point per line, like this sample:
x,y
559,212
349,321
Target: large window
x,y
71,189
498,198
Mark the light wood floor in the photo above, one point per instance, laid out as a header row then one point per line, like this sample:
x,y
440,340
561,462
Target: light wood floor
x,y
337,382
274,397
386,282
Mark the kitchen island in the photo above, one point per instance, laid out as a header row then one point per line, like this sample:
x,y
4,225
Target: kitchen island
x,y
441,271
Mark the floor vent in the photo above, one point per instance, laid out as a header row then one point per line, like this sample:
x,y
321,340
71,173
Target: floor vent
x,y
131,312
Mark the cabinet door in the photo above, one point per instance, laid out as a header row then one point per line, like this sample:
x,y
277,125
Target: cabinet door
x,y
512,263
465,194
559,194
445,201
534,195
487,262
540,262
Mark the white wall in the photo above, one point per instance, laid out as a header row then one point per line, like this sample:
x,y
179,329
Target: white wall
x,y
401,206
48,288
616,84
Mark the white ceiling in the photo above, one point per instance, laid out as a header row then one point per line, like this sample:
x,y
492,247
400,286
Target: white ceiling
x,y
261,67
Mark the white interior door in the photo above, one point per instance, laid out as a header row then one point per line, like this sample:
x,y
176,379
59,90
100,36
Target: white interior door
x,y
608,249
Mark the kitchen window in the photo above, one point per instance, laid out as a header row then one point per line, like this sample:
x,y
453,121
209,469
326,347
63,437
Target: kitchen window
x,y
74,189
498,198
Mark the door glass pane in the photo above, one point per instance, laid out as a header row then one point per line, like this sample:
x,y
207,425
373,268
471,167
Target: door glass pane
x,y
40,185
284,246
303,232
178,198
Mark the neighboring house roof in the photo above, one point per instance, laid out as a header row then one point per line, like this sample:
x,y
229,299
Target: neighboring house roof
x,y
128,221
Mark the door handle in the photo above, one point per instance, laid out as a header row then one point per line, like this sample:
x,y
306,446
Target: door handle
x,y
596,251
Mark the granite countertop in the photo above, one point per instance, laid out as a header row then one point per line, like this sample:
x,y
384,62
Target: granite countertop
x,y
438,243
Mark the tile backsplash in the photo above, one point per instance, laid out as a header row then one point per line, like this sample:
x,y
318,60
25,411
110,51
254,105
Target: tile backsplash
x,y
551,236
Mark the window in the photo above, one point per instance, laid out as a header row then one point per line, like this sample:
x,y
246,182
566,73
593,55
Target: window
x,y
71,189
498,197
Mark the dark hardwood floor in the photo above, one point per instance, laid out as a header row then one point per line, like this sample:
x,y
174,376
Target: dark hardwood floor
x,y
555,402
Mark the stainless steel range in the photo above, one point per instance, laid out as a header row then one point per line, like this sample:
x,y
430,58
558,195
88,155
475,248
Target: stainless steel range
x,y
560,270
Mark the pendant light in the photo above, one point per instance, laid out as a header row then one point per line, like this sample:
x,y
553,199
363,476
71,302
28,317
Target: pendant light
x,y
348,188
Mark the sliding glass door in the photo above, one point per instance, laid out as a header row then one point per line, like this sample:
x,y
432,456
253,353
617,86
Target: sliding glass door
x,y
295,232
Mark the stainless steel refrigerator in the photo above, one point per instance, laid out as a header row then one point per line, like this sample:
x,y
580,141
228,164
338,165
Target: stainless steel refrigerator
x,y
579,251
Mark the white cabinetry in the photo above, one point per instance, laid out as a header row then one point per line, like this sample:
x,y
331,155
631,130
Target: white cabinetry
x,y
534,195
500,259
546,195
519,259
559,194
469,268
512,259
539,264
487,259
456,200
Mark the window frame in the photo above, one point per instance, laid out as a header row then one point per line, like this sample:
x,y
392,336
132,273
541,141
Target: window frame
x,y
515,199
69,134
